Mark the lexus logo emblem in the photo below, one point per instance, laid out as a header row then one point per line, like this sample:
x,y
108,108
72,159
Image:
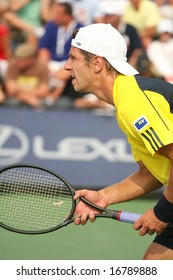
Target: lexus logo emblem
x,y
14,144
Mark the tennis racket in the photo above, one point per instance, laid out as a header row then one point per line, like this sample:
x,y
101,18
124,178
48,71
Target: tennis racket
x,y
35,200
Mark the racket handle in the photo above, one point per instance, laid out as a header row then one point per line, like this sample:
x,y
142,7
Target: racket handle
x,y
128,217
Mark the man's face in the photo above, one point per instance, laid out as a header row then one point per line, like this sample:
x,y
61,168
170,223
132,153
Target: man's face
x,y
79,71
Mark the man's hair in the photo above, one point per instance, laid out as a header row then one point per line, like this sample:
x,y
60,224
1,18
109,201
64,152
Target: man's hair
x,y
67,8
88,56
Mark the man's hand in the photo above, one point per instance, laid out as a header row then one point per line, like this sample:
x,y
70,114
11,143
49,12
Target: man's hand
x,y
83,211
149,223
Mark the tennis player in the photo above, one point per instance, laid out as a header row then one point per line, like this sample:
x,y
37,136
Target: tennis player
x,y
144,110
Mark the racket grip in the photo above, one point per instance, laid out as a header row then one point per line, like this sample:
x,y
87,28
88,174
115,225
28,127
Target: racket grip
x,y
128,217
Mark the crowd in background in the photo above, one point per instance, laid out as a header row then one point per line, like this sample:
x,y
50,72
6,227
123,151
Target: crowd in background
x,y
35,37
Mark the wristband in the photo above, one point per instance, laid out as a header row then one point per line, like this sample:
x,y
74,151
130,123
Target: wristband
x,y
164,210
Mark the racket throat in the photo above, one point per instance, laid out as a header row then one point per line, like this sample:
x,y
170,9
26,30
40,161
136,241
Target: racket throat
x,y
116,215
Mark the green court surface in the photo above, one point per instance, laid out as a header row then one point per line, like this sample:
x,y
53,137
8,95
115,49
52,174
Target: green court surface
x,y
103,240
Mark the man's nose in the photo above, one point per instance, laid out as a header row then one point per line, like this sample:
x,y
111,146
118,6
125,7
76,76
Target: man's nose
x,y
67,65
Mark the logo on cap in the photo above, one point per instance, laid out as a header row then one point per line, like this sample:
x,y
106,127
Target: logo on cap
x,y
77,43
140,123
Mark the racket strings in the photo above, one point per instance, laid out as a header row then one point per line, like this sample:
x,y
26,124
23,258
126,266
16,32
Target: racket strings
x,y
33,199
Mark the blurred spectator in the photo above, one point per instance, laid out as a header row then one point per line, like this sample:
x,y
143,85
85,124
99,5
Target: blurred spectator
x,y
113,11
86,11
27,78
47,10
4,41
166,8
90,101
5,46
54,48
4,5
160,51
2,94
25,20
163,2
144,15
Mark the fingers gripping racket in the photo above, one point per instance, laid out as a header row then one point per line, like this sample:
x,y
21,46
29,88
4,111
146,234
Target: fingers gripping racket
x,y
35,200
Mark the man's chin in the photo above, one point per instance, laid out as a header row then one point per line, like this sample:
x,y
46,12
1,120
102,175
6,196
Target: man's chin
x,y
74,84
76,88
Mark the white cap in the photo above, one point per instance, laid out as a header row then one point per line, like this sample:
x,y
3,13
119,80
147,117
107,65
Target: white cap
x,y
104,40
110,7
165,25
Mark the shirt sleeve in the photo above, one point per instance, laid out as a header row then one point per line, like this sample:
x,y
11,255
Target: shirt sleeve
x,y
152,125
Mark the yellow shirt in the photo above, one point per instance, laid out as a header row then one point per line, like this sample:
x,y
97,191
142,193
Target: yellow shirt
x,y
146,16
143,111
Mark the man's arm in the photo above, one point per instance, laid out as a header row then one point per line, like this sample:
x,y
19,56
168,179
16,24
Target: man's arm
x,y
167,151
16,5
155,220
136,185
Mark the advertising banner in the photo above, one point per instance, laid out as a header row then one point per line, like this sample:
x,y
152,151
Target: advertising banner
x,y
86,148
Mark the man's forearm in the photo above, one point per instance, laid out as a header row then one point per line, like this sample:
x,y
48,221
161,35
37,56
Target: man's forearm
x,y
134,186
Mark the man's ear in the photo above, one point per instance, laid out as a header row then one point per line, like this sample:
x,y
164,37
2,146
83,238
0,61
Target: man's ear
x,y
98,63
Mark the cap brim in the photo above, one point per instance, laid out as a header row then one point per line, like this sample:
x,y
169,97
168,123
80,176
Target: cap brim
x,y
123,67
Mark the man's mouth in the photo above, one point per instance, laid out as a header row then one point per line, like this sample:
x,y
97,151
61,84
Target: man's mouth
x,y
72,77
